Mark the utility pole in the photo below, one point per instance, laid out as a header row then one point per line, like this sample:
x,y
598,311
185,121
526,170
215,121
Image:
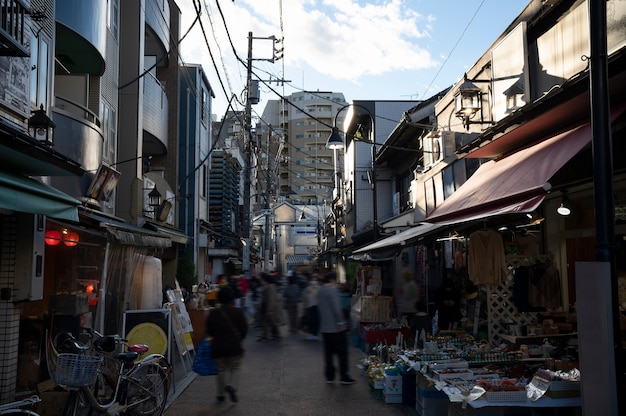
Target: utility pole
x,y
247,148
251,98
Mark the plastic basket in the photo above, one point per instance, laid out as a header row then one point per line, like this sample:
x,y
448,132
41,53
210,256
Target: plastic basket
x,y
506,396
74,370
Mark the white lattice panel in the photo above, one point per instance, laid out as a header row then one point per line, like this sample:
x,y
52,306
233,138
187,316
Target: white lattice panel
x,y
502,310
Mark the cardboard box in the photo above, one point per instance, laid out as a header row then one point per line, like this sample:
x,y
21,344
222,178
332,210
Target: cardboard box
x,y
392,398
393,384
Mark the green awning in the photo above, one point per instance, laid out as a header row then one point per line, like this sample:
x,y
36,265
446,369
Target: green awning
x,y
25,194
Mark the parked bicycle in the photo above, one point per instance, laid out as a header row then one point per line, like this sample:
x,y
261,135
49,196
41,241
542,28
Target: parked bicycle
x,y
105,375
21,407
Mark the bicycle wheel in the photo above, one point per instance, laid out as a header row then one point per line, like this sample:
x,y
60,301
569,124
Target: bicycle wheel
x,y
18,412
78,405
147,390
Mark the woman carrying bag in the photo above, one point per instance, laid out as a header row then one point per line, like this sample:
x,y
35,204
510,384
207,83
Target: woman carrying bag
x,y
227,326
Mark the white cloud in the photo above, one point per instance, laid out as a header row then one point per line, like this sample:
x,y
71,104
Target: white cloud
x,y
339,38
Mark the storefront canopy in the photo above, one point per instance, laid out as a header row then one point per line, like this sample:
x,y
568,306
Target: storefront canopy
x,y
516,183
397,240
24,194
129,234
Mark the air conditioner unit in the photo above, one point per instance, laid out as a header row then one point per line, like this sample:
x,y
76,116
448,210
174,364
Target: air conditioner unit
x,y
438,147
29,257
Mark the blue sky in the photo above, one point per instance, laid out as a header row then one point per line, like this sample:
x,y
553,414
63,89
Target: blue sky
x,y
368,50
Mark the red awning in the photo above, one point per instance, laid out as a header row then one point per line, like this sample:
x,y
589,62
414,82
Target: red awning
x,y
516,183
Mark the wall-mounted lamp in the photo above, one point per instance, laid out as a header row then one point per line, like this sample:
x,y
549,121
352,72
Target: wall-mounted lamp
x,y
41,127
468,102
564,209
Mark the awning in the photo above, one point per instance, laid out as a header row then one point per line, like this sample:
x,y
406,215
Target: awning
x,y
24,194
234,261
516,183
129,234
298,259
399,239
175,235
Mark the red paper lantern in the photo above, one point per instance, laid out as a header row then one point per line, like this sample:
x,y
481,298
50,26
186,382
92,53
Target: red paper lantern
x,y
52,237
71,239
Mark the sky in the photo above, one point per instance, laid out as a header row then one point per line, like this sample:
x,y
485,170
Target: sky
x,y
367,50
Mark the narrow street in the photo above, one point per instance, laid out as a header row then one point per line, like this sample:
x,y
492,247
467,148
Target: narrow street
x,y
285,379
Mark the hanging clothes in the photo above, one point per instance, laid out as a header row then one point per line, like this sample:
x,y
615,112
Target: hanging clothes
x,y
486,263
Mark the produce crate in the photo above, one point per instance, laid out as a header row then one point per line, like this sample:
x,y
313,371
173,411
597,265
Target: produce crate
x,y
392,398
506,396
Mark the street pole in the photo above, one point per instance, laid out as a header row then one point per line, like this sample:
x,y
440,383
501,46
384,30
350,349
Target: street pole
x,y
245,267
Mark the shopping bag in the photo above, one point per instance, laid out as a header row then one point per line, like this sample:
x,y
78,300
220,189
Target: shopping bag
x,y
203,363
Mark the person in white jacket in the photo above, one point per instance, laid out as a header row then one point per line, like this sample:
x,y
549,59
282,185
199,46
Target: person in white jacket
x,y
334,330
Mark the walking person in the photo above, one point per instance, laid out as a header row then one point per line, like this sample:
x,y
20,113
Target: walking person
x,y
334,330
271,310
311,319
227,326
292,296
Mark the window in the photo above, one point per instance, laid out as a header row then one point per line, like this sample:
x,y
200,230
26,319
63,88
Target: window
x,y
113,17
109,130
204,106
40,73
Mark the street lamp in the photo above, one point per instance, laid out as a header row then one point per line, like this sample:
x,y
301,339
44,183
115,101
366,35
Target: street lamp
x,y
335,142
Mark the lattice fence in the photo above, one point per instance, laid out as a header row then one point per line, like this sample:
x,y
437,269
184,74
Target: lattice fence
x,y
502,310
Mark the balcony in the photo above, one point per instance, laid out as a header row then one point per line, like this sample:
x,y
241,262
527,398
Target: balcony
x,y
158,19
12,31
79,137
81,36
155,109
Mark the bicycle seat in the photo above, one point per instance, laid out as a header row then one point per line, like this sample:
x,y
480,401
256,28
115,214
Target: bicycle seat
x,y
127,357
139,348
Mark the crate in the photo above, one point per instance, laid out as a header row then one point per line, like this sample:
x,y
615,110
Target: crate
x,y
392,398
451,374
393,384
506,396
431,404
563,389
409,389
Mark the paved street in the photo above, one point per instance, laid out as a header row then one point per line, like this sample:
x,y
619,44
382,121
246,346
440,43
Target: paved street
x,y
285,379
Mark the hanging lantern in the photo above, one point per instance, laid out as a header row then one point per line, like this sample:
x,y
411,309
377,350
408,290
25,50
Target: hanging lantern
x,y
70,239
52,237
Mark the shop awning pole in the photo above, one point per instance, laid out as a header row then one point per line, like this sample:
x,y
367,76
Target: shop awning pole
x,y
103,284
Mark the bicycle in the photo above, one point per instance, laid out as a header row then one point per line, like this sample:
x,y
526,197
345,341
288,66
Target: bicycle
x,y
18,407
103,378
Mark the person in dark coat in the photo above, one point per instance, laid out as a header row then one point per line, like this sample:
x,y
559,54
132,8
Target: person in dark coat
x,y
227,326
448,305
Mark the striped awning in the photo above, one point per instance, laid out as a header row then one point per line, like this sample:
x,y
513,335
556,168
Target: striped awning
x,y
298,259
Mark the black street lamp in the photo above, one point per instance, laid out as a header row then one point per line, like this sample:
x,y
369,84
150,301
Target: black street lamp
x,y
335,142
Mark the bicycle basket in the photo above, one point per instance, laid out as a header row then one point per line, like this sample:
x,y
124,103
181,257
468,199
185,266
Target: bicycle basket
x,y
75,370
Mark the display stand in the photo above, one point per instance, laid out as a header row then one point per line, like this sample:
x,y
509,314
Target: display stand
x,y
182,329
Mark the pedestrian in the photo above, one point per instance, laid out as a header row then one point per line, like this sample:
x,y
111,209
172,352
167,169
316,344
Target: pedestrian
x,y
227,326
271,310
421,320
292,297
407,296
334,330
311,320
